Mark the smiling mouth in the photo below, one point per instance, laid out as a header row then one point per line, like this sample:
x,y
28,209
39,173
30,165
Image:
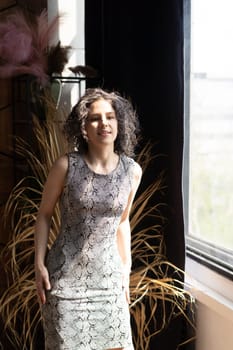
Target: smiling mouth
x,y
104,133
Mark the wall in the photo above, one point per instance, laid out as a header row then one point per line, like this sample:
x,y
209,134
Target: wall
x,y
214,295
214,329
70,33
6,161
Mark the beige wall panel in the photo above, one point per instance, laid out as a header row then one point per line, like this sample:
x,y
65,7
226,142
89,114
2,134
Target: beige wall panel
x,y
6,130
6,3
5,92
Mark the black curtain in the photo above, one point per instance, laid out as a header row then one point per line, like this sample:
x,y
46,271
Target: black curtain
x,y
138,49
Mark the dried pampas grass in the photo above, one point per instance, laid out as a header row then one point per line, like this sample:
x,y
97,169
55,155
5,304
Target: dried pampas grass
x,y
57,58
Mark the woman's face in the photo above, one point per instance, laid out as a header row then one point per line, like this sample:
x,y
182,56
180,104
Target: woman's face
x,y
101,125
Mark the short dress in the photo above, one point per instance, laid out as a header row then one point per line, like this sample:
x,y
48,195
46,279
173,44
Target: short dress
x,y
86,308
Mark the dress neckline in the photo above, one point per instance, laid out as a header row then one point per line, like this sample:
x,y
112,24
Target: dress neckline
x,y
99,174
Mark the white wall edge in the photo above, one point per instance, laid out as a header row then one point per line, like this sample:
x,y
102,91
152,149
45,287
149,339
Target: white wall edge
x,y
210,288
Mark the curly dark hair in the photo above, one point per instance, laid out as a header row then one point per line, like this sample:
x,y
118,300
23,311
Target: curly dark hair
x,y
128,123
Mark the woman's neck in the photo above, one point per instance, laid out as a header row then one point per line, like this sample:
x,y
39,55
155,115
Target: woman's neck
x,y
102,162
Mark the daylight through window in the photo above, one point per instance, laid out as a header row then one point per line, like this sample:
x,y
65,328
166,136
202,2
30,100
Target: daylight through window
x,y
209,129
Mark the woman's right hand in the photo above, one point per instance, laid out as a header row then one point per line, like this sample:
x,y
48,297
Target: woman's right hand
x,y
42,283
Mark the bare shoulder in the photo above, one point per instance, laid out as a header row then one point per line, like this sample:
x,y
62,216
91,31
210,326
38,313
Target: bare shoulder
x,y
61,163
59,167
55,180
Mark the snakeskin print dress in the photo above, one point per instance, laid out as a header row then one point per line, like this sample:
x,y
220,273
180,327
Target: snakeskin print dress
x,y
86,308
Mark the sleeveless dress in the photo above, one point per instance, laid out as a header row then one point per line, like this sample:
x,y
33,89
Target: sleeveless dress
x,y
86,308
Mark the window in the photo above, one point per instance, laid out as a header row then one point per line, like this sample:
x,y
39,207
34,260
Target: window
x,y
208,151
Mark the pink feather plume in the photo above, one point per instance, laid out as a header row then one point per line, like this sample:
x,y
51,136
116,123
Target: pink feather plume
x,y
23,45
16,40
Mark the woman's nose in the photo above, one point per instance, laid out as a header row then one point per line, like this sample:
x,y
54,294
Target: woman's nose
x,y
104,120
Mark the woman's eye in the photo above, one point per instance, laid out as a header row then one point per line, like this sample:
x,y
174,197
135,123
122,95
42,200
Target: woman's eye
x,y
93,118
96,118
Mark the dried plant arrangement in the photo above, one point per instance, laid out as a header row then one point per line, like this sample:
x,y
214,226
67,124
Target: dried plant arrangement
x,y
25,46
152,282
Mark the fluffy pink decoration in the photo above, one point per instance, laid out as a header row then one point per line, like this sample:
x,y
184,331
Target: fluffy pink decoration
x,y
15,47
23,45
15,40
44,31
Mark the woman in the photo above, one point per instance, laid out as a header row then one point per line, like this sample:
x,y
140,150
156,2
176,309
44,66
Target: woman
x,y
83,282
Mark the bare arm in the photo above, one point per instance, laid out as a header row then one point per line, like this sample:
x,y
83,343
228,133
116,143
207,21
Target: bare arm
x,y
124,233
51,193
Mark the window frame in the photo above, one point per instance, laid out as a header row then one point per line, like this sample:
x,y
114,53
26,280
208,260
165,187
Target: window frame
x,y
214,257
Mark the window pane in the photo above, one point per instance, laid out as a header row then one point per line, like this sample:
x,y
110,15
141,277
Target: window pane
x,y
211,122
